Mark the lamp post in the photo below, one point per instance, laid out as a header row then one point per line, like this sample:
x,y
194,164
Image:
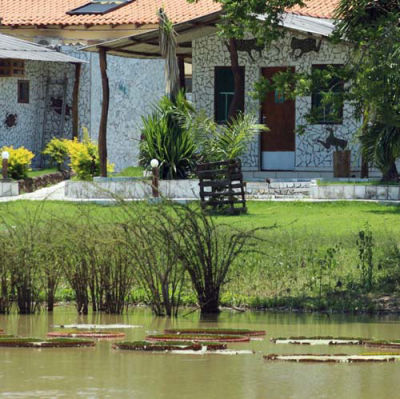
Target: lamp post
x,y
156,174
5,155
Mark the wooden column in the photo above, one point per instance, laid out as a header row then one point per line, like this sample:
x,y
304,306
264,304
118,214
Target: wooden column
x,y
102,140
181,65
75,101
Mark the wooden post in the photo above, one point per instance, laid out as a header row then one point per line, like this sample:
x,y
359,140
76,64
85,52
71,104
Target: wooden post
x,y
155,182
181,65
102,140
4,169
75,101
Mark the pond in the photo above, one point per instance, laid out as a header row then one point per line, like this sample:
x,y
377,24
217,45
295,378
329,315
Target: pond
x,y
102,372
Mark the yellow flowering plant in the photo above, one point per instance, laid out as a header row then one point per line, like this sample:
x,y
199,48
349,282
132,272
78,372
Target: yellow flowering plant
x,y
19,161
84,155
57,150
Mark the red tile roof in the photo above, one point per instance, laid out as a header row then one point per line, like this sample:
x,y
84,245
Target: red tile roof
x,y
141,12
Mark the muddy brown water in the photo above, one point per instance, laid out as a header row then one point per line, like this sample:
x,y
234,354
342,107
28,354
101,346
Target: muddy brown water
x,y
102,372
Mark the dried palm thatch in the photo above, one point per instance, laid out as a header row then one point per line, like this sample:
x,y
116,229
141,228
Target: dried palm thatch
x,y
168,45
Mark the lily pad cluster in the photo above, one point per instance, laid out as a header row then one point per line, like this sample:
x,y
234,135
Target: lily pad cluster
x,y
321,340
337,358
192,340
163,346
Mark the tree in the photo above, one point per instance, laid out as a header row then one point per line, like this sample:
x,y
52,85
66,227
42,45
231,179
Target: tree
x,y
168,45
374,73
241,18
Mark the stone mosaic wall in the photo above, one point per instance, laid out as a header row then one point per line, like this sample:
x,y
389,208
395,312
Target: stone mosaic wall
x,y
210,51
135,87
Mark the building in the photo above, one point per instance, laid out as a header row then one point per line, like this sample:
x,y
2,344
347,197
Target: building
x,y
30,77
135,85
281,152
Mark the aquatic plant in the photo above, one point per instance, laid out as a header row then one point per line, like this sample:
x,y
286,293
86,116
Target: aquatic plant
x,y
207,250
198,338
332,358
169,346
44,343
215,331
157,266
77,333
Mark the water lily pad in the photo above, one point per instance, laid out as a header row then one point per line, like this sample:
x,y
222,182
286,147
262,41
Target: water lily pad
x,y
215,331
163,346
198,338
15,342
97,326
76,333
334,358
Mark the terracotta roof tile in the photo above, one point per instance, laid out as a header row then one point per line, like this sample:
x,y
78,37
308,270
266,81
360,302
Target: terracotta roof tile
x,y
141,12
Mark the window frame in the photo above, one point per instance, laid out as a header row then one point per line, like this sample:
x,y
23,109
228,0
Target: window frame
x,y
243,74
11,69
324,121
20,99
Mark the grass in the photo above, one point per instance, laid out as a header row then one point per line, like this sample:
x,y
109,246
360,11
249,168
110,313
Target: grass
x,y
41,172
327,220
291,271
131,171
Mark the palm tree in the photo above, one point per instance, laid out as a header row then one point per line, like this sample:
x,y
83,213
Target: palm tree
x,y
380,142
168,45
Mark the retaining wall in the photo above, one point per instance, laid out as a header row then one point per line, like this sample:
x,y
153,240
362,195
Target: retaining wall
x,y
8,188
356,191
130,188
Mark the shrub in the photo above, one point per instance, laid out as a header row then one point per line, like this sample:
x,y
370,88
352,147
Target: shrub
x,y
57,150
207,250
84,155
19,162
165,137
222,142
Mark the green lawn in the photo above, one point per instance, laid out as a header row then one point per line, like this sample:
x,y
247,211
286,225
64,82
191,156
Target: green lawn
x,y
324,219
41,172
131,171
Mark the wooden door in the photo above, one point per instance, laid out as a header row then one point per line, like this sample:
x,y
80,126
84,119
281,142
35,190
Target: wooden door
x,y
278,145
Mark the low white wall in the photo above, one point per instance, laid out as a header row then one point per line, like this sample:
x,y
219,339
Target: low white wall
x,y
356,191
128,188
9,188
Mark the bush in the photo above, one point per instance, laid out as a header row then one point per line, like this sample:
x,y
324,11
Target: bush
x,y
57,149
216,143
19,162
165,137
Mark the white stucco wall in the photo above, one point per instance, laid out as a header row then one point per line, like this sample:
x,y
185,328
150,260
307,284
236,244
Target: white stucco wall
x,y
210,51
